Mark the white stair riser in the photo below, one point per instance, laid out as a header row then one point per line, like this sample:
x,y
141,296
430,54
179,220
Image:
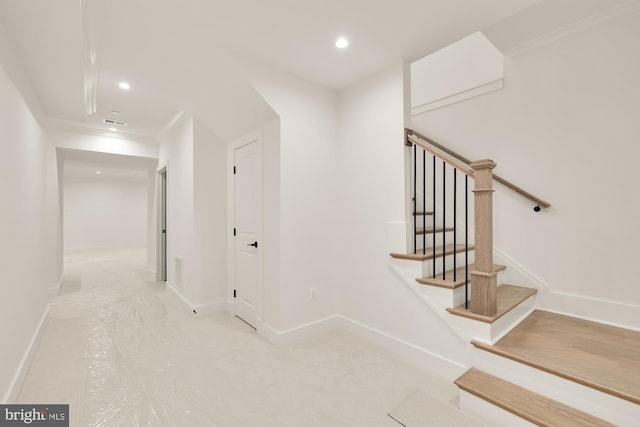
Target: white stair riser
x,y
489,413
427,265
448,238
492,332
443,297
602,405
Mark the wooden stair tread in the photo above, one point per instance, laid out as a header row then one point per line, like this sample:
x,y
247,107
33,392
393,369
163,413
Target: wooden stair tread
x,y
448,281
448,250
603,357
524,403
508,297
429,230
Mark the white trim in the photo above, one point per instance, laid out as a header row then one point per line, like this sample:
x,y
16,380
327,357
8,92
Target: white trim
x,y
458,97
161,258
611,313
195,311
500,257
409,353
299,333
418,357
21,373
55,290
170,125
554,36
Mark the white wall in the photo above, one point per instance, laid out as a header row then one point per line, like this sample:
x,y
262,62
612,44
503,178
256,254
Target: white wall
x,y
307,156
104,211
196,213
176,153
271,233
373,204
565,128
210,215
28,268
83,144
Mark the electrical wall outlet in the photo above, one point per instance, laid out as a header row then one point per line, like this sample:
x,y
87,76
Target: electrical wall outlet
x,y
312,293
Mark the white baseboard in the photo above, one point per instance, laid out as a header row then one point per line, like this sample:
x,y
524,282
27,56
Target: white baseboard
x,y
299,333
597,310
416,356
196,310
517,273
21,373
409,353
55,291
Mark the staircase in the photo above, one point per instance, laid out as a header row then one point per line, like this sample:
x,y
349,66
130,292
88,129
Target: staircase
x,y
527,367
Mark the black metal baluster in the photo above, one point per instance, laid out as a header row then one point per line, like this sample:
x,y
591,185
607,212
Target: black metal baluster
x,y
415,202
466,241
444,217
455,227
424,202
433,220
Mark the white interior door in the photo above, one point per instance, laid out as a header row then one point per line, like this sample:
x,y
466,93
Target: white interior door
x,y
248,231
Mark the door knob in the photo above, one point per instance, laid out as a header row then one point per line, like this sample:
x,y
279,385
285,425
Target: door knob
x,y
254,244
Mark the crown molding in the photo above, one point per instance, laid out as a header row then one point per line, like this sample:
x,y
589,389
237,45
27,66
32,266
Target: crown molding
x,y
170,125
569,30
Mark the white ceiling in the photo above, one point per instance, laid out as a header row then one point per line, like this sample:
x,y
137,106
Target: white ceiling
x,y
174,53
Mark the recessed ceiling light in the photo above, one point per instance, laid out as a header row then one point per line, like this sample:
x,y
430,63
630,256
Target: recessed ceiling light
x,y
124,85
98,172
116,112
342,43
113,129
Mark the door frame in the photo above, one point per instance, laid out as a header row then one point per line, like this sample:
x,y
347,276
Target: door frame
x,y
161,222
253,137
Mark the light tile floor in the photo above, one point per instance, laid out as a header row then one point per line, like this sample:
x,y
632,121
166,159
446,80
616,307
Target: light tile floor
x,y
119,350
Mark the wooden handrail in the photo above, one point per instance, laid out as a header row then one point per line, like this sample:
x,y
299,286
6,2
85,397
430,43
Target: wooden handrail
x,y
444,155
413,137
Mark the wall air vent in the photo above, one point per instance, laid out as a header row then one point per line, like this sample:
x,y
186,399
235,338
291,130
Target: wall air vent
x,y
114,122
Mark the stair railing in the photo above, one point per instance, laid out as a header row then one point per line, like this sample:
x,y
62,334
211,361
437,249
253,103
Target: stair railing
x,y
419,150
483,278
540,203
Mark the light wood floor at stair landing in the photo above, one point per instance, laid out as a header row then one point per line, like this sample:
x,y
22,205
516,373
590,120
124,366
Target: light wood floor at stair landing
x,y
508,297
428,252
599,356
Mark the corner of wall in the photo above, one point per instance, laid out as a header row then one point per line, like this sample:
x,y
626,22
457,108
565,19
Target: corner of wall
x,y
12,392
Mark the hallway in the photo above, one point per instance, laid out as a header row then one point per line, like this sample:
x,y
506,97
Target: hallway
x,y
120,351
